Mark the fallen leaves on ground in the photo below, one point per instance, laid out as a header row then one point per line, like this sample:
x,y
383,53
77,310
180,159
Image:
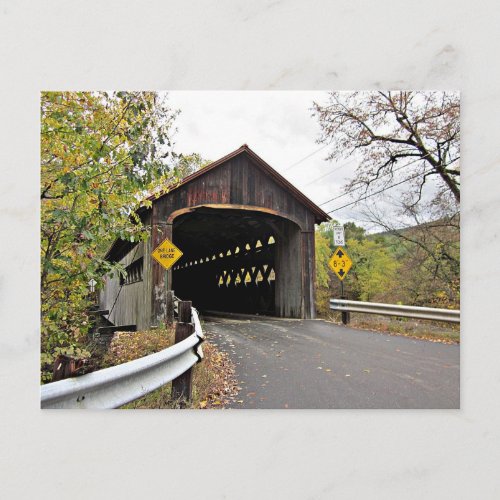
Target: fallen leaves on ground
x,y
214,382
127,346
431,331
214,379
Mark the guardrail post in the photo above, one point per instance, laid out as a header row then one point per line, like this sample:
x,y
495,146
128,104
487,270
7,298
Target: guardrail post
x,y
346,315
181,386
65,367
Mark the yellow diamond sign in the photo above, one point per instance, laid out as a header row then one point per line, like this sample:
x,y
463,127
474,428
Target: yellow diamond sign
x,y
340,263
166,253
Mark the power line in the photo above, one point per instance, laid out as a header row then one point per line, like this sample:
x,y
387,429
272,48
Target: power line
x,y
381,177
359,187
305,158
378,192
330,173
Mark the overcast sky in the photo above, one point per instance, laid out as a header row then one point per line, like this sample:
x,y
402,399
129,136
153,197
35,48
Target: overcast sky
x,y
277,125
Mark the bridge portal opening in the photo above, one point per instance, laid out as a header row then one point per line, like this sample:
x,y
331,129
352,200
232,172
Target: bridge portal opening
x,y
237,260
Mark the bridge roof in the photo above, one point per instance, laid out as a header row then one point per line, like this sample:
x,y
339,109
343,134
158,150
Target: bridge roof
x,y
320,215
120,247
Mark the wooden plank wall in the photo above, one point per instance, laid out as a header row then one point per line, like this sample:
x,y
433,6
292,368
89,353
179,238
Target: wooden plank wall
x,y
125,303
240,182
237,182
144,313
289,299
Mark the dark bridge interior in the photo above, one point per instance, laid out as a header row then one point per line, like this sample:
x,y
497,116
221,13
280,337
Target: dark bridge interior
x,y
231,260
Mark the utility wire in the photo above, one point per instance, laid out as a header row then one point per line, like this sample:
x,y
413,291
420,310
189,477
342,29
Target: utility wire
x,y
305,158
381,177
378,192
330,173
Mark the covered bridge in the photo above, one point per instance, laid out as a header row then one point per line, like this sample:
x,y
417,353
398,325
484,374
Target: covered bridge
x,y
247,237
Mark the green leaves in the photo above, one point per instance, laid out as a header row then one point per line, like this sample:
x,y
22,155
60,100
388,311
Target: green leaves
x,y
99,152
375,269
323,253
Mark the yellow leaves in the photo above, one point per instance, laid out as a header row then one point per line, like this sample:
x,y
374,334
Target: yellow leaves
x,y
87,139
203,404
322,255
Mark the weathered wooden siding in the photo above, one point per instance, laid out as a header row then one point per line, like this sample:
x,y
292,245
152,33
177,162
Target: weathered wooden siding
x,y
129,304
288,295
144,316
239,182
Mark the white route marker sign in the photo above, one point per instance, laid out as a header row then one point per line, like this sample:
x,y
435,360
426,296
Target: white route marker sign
x,y
338,236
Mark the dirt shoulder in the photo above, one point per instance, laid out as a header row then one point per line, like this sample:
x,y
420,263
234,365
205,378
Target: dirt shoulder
x,y
433,331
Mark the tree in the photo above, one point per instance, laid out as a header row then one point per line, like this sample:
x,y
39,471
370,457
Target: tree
x,y
375,273
354,232
323,254
189,164
405,138
430,258
326,283
419,131
183,166
323,245
351,231
99,152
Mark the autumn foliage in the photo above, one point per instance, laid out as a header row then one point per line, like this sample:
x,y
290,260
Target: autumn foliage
x,y
100,152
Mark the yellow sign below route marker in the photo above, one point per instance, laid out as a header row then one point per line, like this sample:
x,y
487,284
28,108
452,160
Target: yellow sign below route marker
x,y
340,263
166,253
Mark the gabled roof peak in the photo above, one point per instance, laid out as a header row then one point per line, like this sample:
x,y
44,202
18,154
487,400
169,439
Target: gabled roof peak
x,y
244,148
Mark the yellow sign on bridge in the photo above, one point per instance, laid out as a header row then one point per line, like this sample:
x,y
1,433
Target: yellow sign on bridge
x,y
340,263
166,253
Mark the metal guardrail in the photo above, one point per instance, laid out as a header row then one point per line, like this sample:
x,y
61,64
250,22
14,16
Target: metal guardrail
x,y
436,314
118,385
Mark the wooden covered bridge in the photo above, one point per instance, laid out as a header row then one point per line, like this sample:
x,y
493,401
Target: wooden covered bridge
x,y
247,237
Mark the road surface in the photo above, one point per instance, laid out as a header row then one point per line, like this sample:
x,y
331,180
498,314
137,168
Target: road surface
x,y
317,364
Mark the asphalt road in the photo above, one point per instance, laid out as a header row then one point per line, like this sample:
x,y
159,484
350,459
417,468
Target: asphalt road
x,y
316,364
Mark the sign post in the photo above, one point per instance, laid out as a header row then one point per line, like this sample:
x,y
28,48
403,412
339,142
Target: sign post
x,y
167,254
340,263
